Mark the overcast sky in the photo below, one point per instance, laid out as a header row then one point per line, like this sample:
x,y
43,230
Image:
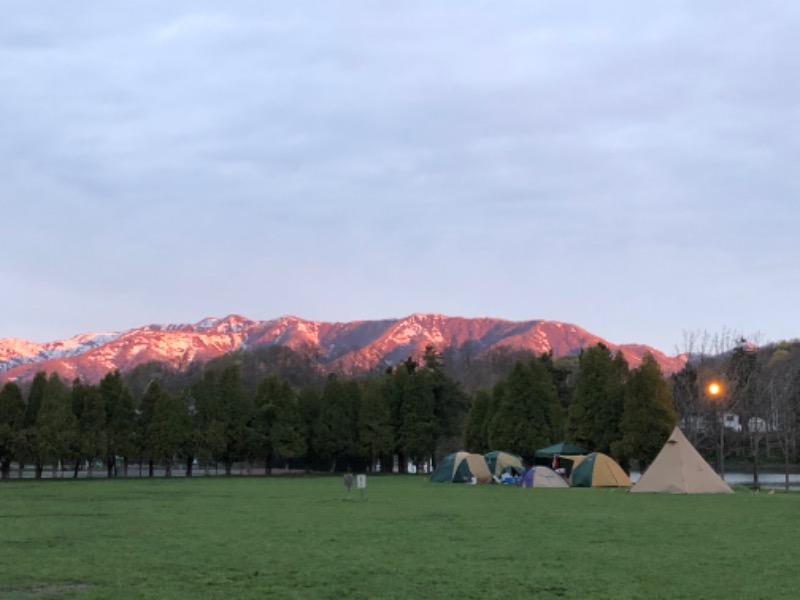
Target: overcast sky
x,y
631,168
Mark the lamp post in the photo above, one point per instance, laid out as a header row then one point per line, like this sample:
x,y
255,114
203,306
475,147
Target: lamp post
x,y
715,391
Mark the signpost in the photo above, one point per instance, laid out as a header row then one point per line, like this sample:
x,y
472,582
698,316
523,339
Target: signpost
x,y
361,484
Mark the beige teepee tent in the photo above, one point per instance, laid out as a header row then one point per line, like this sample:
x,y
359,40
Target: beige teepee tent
x,y
679,469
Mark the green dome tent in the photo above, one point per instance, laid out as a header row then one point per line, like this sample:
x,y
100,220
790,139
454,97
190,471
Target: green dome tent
x,y
503,462
461,467
596,470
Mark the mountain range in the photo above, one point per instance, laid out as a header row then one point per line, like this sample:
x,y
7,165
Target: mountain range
x,y
346,348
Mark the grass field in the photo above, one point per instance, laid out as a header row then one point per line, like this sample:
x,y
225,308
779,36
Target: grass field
x,y
299,538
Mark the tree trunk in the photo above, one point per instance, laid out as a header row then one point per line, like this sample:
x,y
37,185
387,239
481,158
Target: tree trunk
x,y
168,468
757,444
228,467
786,470
76,469
151,468
125,464
6,468
189,464
110,463
38,470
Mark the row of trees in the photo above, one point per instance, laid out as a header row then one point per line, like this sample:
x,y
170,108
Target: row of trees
x,y
408,411
755,416
606,408
235,410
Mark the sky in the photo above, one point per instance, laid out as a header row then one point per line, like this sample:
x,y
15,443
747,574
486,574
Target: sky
x,y
630,168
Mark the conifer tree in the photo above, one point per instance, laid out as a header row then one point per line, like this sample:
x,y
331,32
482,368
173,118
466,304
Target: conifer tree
x,y
87,405
279,423
418,426
337,431
476,431
309,407
597,405
147,409
529,415
169,430
120,422
56,424
236,416
374,428
30,442
12,419
648,417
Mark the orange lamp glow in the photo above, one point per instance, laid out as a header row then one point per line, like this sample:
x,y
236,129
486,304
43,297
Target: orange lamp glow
x,y
714,389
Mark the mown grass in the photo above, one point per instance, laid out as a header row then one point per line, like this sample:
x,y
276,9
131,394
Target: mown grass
x,y
299,538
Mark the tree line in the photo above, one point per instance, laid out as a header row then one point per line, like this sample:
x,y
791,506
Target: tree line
x,y
275,410
755,416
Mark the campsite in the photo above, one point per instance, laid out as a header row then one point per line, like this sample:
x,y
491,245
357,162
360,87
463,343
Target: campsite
x,y
299,537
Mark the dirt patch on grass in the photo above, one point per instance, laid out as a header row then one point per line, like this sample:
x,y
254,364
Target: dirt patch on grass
x,y
42,590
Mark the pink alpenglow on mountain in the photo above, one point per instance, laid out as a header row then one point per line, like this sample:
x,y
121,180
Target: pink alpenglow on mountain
x,y
346,348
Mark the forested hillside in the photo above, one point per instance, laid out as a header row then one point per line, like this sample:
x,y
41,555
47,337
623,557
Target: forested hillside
x,y
273,408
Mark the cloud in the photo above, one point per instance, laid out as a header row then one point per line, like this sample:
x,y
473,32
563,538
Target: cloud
x,y
452,157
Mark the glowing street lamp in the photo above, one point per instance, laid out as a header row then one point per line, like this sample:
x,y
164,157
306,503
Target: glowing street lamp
x,y
715,391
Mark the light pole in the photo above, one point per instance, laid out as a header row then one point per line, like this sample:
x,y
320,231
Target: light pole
x,y
715,391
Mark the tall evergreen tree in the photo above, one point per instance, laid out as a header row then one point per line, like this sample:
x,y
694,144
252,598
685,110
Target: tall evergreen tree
x,y
237,413
12,421
529,414
337,431
476,431
169,430
120,422
309,406
29,435
205,409
147,409
597,405
450,403
648,417
374,427
56,424
88,406
418,423
280,427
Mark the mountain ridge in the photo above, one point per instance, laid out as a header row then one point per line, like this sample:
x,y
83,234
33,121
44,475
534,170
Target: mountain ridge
x,y
345,347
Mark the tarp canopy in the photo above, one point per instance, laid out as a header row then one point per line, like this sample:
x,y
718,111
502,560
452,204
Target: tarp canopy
x,y
596,470
503,462
461,467
560,448
542,477
679,469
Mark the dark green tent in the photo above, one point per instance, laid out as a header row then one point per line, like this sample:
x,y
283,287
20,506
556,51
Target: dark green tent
x,y
461,467
596,470
544,456
503,462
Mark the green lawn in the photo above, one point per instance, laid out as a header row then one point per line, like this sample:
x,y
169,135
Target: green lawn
x,y
299,538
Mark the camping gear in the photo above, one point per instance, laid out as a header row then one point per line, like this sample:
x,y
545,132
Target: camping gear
x,y
462,467
542,477
679,469
500,463
544,456
596,470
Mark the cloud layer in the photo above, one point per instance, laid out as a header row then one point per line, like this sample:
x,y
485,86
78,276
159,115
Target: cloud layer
x,y
626,168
